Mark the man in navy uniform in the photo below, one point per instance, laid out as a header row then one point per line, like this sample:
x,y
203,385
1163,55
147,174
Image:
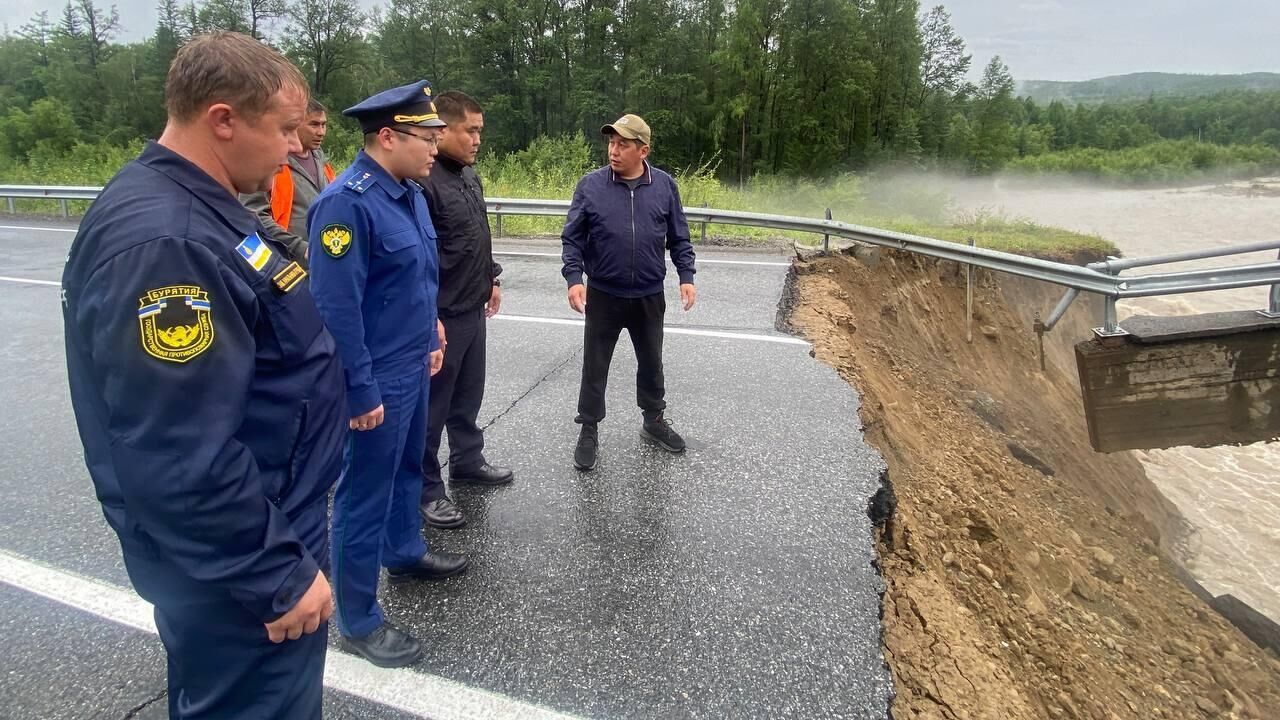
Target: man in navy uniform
x,y
621,218
208,395
374,276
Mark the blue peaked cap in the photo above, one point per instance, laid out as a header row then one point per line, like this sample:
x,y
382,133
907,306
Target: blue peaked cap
x,y
405,105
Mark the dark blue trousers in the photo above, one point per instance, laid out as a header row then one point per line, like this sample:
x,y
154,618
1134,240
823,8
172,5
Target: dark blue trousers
x,y
222,665
221,662
375,508
456,394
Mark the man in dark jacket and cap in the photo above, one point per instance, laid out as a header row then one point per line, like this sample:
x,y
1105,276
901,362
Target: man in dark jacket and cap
x,y
621,219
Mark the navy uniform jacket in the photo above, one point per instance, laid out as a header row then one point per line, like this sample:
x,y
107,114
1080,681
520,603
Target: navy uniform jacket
x,y
374,273
616,235
208,395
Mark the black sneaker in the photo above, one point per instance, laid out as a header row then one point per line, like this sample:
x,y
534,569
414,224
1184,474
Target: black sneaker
x,y
659,430
584,455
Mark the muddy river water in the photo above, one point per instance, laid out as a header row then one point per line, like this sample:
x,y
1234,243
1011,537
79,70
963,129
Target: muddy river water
x,y
1230,494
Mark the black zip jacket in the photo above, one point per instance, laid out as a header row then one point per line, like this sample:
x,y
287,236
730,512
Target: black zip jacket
x,y
455,198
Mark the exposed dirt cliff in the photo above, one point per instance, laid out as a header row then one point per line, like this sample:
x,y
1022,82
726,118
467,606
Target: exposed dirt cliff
x,y
1027,576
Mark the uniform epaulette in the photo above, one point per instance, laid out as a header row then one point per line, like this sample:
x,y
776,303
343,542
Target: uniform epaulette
x,y
362,183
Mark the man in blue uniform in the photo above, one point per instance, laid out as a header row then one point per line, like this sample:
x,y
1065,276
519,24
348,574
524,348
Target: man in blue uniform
x,y
374,276
208,395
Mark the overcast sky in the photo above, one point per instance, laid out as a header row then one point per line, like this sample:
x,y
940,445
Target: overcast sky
x,y
1038,39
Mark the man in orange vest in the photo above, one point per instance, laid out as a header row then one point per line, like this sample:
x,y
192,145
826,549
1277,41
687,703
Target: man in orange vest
x,y
283,209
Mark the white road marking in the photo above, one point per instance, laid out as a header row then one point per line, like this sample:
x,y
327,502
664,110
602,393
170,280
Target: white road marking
x,y
411,692
29,281
43,229
668,329
495,252
701,260
513,253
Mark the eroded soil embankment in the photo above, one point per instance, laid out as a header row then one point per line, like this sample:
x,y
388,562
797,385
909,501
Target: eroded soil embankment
x,y
1025,573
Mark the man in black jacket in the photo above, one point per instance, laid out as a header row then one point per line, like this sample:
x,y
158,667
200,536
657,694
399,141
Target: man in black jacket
x,y
470,292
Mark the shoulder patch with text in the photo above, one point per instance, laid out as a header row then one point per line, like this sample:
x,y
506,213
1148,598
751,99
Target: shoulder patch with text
x,y
336,239
176,322
288,278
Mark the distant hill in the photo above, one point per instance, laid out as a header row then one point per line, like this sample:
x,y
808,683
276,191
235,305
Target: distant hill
x,y
1141,85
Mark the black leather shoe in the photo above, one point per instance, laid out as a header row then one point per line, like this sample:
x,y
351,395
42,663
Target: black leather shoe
x,y
386,647
486,474
442,514
432,566
659,431
584,454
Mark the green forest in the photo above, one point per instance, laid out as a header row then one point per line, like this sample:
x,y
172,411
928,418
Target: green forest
x,y
742,90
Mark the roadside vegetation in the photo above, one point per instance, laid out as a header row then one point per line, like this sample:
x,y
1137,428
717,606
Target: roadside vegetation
x,y
753,95
550,167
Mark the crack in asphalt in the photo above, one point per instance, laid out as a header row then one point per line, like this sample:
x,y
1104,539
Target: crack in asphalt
x,y
133,712
535,386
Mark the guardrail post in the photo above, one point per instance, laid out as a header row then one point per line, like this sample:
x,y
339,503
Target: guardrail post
x,y
11,210
498,215
826,239
63,203
1110,326
703,233
1109,323
968,297
1273,303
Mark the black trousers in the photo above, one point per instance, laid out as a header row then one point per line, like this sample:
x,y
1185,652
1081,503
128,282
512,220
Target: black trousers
x,y
607,315
456,393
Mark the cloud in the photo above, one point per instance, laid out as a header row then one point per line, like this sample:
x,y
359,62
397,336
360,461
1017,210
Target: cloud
x,y
1049,40
1040,6
1037,39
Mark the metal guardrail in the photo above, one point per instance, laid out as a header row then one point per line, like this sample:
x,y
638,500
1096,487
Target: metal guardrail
x,y
1101,278
51,192
61,193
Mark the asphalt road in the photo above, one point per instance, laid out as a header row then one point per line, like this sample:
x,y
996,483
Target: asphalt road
x,y
736,580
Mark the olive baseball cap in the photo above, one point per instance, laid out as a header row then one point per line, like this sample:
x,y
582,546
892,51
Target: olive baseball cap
x,y
631,127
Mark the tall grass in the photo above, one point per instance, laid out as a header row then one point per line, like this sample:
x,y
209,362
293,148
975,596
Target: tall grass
x,y
551,167
85,164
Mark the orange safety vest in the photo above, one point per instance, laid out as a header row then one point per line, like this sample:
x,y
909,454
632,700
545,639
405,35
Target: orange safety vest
x,y
282,194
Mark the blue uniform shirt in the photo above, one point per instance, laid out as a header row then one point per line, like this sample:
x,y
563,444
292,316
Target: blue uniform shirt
x,y
208,395
374,274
